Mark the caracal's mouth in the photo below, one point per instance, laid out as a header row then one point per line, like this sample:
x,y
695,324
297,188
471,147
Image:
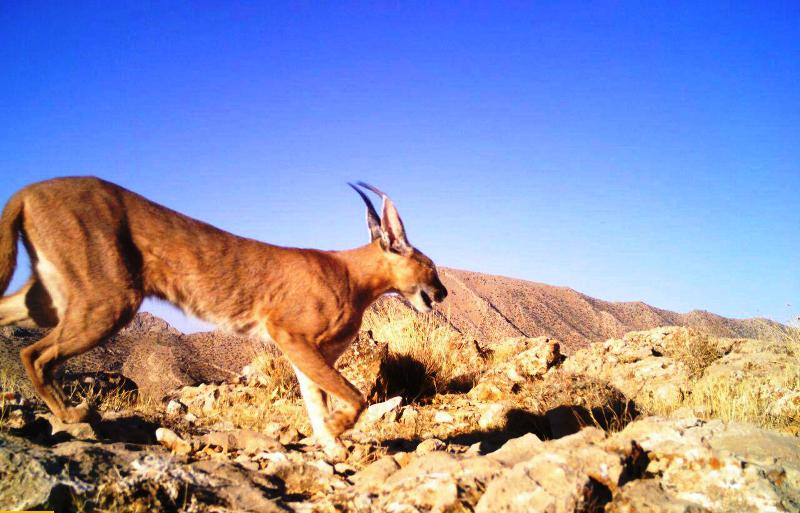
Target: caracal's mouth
x,y
426,299
422,300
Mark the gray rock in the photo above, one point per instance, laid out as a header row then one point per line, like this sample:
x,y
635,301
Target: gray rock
x,y
430,445
120,477
32,478
518,450
442,417
175,407
376,412
373,475
81,430
245,440
493,416
726,467
565,475
527,359
649,495
302,478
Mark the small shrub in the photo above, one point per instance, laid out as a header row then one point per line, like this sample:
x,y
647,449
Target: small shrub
x,y
696,350
105,391
272,371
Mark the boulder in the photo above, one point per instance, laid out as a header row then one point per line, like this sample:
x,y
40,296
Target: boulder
x,y
361,363
430,445
637,366
376,412
517,450
552,482
33,478
536,357
715,466
156,372
374,475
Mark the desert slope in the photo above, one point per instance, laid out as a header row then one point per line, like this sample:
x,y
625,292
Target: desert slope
x,y
491,307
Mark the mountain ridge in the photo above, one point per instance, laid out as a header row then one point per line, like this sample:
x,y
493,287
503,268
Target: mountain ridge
x,y
490,307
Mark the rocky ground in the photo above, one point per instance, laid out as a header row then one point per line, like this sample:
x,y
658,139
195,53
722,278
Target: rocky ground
x,y
663,420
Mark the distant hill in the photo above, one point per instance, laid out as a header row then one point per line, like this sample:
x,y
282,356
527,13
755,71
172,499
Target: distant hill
x,y
206,356
489,307
158,357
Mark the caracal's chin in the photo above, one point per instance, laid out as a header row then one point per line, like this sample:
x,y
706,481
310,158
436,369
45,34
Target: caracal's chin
x,y
420,300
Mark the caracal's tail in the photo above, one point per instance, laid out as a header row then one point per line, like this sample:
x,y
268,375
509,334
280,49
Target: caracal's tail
x,y
10,224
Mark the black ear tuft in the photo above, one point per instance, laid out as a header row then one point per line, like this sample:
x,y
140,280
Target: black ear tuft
x,y
373,222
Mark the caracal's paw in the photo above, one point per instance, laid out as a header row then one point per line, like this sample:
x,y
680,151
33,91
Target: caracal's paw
x,y
81,413
335,451
340,421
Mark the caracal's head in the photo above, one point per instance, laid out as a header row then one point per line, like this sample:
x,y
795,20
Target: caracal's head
x,y
413,275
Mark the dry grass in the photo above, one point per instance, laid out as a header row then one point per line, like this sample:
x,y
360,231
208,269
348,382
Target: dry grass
x,y
110,393
272,371
695,349
425,356
788,338
9,383
752,398
737,396
746,400
9,388
255,408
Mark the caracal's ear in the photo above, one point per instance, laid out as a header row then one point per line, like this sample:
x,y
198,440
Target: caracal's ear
x,y
391,224
373,221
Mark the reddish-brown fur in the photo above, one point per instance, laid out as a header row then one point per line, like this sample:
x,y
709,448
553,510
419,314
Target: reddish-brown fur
x,y
97,250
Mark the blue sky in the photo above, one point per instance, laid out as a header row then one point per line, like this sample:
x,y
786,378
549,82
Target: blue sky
x,y
631,151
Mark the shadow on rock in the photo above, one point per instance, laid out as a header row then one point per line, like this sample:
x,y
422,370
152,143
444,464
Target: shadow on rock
x,y
556,423
129,429
518,422
405,376
47,430
413,380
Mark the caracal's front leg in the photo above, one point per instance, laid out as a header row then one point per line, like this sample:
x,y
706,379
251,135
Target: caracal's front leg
x,y
317,408
315,375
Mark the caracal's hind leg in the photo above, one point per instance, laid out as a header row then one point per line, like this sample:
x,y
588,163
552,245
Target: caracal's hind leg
x,y
13,310
83,327
29,307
